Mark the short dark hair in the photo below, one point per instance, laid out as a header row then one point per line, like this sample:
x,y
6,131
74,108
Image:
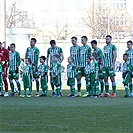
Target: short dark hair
x,y
13,44
43,57
125,54
94,41
89,57
74,37
34,39
109,36
29,60
130,42
56,55
71,58
52,42
84,37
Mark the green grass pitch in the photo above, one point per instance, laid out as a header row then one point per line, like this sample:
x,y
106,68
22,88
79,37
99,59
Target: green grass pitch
x,y
66,115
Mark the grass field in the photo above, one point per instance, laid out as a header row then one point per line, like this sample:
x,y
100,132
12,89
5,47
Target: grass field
x,y
66,115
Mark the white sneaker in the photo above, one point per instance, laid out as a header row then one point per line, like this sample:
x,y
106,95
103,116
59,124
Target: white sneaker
x,y
6,94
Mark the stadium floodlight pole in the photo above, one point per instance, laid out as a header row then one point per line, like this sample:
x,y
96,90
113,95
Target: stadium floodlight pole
x,y
108,16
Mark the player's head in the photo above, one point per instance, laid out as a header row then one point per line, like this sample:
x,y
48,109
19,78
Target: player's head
x,y
74,40
94,56
33,42
52,43
12,47
56,57
88,59
27,61
94,44
129,44
100,60
84,40
70,59
125,57
108,39
42,59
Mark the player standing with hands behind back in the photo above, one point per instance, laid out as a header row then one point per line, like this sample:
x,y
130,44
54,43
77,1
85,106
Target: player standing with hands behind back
x,y
110,56
33,53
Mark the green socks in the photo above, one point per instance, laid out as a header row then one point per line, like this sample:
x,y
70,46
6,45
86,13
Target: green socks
x,y
126,89
131,87
72,90
79,86
102,86
114,87
107,87
12,86
37,85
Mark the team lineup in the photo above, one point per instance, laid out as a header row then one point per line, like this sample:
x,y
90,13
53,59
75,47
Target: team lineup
x,y
96,65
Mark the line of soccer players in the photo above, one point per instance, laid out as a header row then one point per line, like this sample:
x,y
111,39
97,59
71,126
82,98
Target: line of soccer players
x,y
96,66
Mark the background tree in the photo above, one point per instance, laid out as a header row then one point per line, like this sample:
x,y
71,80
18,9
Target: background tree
x,y
16,18
103,20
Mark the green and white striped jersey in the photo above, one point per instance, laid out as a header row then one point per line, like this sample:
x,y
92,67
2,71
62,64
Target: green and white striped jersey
x,y
99,53
27,71
130,55
33,54
71,70
14,60
42,69
75,53
126,67
91,68
108,54
84,52
52,51
55,68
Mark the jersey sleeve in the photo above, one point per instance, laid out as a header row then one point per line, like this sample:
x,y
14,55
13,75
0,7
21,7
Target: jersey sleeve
x,y
100,53
61,51
46,69
36,57
26,54
96,66
18,59
89,51
48,51
114,48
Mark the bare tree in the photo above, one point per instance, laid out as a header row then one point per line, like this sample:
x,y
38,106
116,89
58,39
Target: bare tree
x,y
17,18
103,21
60,32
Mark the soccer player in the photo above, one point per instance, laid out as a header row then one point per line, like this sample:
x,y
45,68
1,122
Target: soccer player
x,y
14,63
96,50
42,71
71,71
27,77
51,52
92,71
85,51
110,55
99,59
126,75
56,74
130,58
75,51
33,53
4,55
